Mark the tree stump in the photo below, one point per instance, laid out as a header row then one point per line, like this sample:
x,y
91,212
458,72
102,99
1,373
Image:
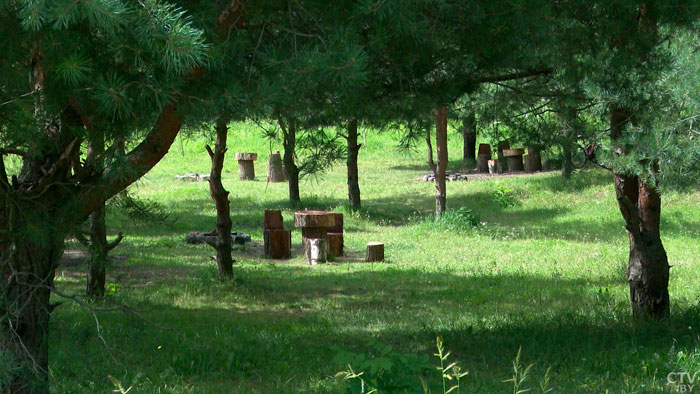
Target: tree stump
x,y
515,159
335,244
273,220
278,243
533,160
337,227
314,224
502,162
316,250
483,157
375,252
275,172
492,167
246,168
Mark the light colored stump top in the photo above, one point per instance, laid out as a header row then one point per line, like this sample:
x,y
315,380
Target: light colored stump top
x,y
513,152
314,219
375,243
246,156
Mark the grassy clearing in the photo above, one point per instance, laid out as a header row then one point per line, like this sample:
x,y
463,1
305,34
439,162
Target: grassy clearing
x,y
545,276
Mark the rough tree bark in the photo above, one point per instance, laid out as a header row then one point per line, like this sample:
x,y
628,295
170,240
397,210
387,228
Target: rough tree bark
x,y
640,205
219,195
431,161
441,168
469,133
353,173
289,143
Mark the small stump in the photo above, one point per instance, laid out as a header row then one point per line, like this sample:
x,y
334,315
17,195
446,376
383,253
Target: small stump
x,y
375,252
246,169
314,224
483,157
335,244
275,171
316,250
533,160
515,159
278,243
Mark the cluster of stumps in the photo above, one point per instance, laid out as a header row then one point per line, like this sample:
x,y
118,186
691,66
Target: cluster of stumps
x,y
322,236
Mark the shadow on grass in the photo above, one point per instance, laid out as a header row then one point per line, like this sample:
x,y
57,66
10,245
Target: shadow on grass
x,y
282,322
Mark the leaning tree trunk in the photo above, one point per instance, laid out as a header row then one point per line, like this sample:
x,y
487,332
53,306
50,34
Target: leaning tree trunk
x,y
224,260
431,162
289,143
640,205
353,173
469,132
441,147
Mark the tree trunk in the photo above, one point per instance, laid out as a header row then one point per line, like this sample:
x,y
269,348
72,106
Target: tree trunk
x,y
469,131
219,195
275,173
289,143
353,173
441,146
431,162
640,205
567,166
27,276
97,249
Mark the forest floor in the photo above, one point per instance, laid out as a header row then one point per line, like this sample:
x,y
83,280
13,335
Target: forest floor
x,y
542,275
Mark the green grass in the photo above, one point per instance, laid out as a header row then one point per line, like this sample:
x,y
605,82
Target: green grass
x,y
545,276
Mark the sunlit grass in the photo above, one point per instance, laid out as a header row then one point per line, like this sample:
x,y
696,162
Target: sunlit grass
x,y
546,275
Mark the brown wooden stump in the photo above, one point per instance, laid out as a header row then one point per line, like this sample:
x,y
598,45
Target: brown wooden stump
x,y
316,250
375,252
515,159
533,160
337,227
246,168
314,224
275,172
273,220
335,244
492,167
278,243
502,162
482,158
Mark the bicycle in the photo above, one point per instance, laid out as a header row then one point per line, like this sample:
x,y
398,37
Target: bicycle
x,y
584,154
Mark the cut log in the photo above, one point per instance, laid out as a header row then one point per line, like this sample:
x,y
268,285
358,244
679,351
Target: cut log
x,y
533,160
375,252
246,167
482,161
513,152
485,149
337,227
316,250
275,172
515,159
273,220
278,243
492,167
335,244
502,163
314,219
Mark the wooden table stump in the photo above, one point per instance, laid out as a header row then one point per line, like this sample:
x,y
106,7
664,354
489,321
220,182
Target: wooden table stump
x,y
375,252
502,161
273,220
275,172
483,158
278,243
246,168
316,250
533,160
314,224
335,244
515,159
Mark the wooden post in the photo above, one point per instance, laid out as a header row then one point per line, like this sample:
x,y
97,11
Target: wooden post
x,y
335,244
278,243
515,159
375,252
533,160
316,250
275,172
246,168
